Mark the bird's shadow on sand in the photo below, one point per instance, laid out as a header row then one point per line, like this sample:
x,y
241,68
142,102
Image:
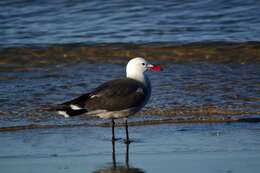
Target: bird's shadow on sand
x,y
115,167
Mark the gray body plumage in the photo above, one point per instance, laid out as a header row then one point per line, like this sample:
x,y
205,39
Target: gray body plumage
x,y
114,99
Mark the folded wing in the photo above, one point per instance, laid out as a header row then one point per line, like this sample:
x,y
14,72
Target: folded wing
x,y
114,95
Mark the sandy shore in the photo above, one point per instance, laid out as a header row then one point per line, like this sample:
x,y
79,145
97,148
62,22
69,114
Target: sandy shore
x,y
156,148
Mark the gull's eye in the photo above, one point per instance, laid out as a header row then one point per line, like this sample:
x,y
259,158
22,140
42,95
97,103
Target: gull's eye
x,y
143,64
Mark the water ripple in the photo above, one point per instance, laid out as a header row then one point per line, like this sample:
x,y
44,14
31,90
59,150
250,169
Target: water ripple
x,y
52,22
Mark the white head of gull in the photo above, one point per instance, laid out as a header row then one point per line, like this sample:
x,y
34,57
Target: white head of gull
x,y
117,98
136,69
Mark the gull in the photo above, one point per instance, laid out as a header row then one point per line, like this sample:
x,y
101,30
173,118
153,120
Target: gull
x,y
118,98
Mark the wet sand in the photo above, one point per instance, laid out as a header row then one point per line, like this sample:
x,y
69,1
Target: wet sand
x,y
225,147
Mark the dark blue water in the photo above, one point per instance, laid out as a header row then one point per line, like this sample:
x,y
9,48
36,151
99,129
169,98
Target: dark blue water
x,y
24,22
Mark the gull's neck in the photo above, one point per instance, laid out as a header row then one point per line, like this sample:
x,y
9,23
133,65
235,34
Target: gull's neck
x,y
141,77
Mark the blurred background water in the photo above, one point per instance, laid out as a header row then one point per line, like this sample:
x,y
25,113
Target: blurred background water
x,y
26,22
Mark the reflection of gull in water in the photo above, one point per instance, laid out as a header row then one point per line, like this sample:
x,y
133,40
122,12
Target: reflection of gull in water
x,y
120,168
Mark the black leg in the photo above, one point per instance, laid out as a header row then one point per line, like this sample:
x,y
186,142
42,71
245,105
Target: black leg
x,y
127,155
127,141
114,154
113,131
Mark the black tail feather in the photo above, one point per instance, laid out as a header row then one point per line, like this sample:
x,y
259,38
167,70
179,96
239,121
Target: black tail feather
x,y
66,106
66,109
72,112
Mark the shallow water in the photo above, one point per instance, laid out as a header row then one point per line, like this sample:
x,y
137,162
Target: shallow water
x,y
160,148
41,62
57,22
194,86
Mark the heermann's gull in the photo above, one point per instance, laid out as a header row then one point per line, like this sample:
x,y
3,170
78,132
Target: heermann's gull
x,y
114,99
